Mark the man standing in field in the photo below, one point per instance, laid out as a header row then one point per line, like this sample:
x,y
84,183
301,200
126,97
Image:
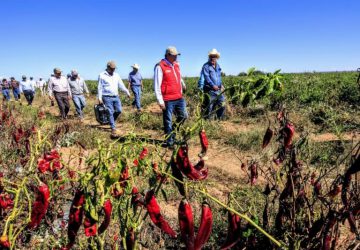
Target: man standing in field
x,y
108,85
169,86
136,85
5,89
28,89
214,101
41,85
58,87
15,85
78,88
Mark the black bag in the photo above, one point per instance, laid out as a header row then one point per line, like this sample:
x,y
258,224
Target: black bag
x,y
101,114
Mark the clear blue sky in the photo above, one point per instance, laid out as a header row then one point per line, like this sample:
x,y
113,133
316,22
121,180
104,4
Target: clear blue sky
x,y
306,35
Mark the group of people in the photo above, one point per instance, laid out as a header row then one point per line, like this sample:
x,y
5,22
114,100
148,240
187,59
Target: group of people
x,y
25,87
168,87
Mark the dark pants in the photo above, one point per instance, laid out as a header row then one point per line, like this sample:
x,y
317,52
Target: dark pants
x,y
63,103
213,104
113,104
29,96
177,107
137,95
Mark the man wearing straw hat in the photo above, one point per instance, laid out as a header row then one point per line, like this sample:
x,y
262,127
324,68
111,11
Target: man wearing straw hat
x,y
108,85
169,86
136,85
59,88
214,100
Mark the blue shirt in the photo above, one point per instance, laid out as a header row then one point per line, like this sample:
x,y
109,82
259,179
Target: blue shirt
x,y
212,77
135,78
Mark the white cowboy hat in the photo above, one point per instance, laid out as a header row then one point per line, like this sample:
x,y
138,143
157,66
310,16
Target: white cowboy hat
x,y
214,52
135,66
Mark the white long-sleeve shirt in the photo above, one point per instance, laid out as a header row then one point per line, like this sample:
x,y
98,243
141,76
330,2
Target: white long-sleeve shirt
x,y
58,85
40,83
108,85
26,85
158,77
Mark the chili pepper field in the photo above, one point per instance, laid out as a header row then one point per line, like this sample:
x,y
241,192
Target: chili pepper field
x,y
280,172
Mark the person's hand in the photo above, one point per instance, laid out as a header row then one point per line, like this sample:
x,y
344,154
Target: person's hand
x,y
216,88
69,97
100,101
51,98
162,106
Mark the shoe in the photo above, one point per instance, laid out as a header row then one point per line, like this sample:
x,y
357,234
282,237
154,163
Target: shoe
x,y
114,132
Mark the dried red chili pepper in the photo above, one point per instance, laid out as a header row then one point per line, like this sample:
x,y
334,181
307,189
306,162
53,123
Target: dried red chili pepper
x,y
75,216
267,137
253,173
4,242
155,215
317,188
130,239
185,166
137,199
336,189
90,227
107,207
203,141
205,226
288,133
186,223
234,231
331,220
40,206
125,176
143,153
5,201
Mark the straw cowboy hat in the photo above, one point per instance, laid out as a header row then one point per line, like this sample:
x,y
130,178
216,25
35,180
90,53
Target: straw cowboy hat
x,y
135,66
214,52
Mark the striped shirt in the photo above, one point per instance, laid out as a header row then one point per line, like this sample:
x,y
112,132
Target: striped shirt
x,y
58,85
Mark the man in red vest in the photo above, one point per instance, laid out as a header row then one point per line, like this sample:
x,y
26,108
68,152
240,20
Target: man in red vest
x,y
169,87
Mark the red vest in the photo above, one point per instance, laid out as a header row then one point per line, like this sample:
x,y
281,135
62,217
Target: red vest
x,y
171,88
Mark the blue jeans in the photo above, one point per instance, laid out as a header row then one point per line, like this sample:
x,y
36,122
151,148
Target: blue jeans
x,y
80,103
137,95
113,104
214,104
177,107
16,93
6,94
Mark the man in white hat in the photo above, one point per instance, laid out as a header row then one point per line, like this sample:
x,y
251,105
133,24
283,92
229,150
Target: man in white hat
x,y
78,88
136,85
58,87
169,86
108,85
28,89
214,101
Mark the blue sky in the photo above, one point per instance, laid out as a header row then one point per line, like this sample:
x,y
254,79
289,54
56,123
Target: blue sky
x,y
295,36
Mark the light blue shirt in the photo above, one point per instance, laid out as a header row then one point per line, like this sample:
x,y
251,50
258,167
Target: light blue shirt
x,y
27,85
135,78
108,85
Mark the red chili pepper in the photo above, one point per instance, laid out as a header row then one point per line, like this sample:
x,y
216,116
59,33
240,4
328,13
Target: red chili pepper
x,y
107,216
267,137
155,215
40,206
203,141
18,134
125,176
4,242
336,189
186,223
5,201
288,133
205,226
253,173
317,188
143,154
90,227
137,199
75,216
234,231
185,166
